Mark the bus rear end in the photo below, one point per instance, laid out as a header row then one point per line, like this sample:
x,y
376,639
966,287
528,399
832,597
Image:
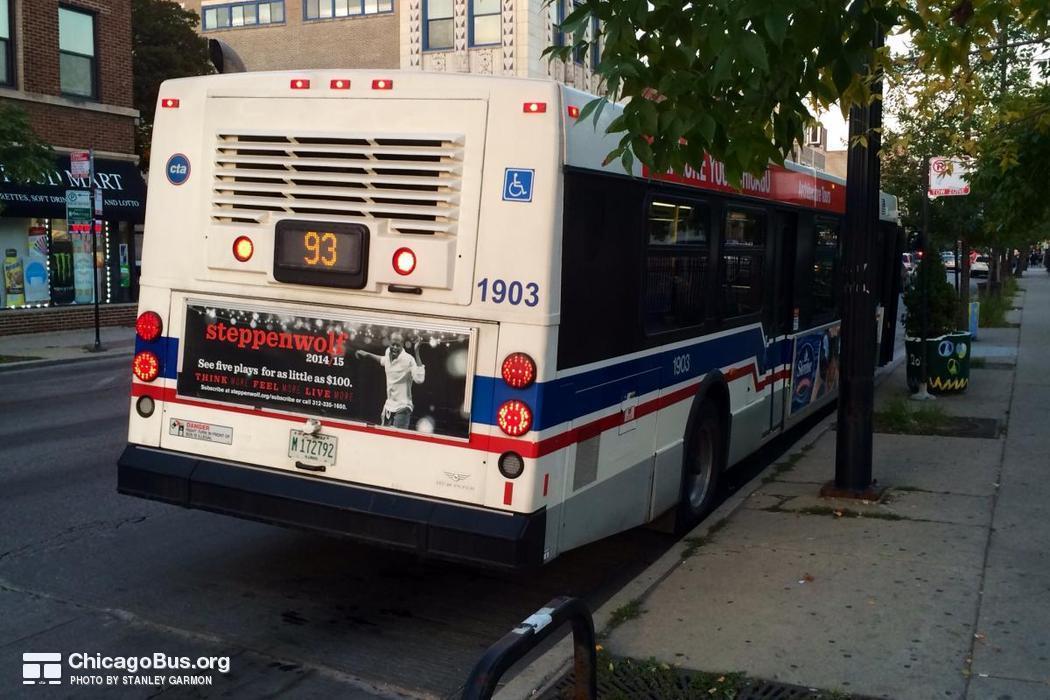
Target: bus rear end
x,y
311,348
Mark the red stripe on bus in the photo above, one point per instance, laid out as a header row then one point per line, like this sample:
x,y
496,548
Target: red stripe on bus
x,y
478,441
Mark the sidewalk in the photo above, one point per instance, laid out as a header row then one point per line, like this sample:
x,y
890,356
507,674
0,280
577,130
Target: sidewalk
x,y
940,591
38,349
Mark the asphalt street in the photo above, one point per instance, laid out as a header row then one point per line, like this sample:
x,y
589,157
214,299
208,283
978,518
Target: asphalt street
x,y
84,569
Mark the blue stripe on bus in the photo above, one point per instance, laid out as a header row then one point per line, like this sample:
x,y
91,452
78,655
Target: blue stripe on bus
x,y
572,397
563,400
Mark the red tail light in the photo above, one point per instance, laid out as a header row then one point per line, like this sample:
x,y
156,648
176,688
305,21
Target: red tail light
x,y
148,326
146,366
243,248
514,418
518,370
404,261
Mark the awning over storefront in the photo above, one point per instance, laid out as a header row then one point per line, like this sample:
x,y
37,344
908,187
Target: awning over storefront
x,y
123,191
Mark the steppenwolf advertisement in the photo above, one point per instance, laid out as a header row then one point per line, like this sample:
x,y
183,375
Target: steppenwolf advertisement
x,y
399,376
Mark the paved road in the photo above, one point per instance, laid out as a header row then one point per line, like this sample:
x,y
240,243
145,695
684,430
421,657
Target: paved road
x,y
83,569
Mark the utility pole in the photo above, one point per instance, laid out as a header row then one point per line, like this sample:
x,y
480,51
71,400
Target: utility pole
x,y
94,253
853,447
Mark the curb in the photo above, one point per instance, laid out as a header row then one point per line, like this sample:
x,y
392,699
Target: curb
x,y
34,364
548,669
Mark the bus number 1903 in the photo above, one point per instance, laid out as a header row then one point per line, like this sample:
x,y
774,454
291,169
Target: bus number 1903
x,y
680,364
513,292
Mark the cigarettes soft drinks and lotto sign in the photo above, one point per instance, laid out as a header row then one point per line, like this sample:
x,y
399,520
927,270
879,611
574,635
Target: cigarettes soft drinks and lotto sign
x,y
343,368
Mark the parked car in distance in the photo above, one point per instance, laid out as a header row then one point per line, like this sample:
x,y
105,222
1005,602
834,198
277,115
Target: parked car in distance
x,y
979,267
948,258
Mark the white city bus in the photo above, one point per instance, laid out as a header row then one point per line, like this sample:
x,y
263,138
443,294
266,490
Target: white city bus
x,y
417,310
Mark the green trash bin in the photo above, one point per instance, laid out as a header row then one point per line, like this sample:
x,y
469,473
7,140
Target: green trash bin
x,y
947,363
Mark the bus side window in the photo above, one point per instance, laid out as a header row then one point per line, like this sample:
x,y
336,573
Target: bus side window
x,y
676,259
825,269
742,266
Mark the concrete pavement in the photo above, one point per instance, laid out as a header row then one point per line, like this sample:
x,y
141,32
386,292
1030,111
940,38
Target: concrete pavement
x,y
940,591
38,349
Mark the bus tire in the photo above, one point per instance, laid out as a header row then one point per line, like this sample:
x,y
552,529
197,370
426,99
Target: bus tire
x,y
705,455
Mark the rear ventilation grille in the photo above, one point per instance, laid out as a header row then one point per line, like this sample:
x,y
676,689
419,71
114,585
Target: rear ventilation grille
x,y
414,182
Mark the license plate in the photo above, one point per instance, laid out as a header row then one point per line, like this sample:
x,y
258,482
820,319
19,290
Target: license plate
x,y
314,449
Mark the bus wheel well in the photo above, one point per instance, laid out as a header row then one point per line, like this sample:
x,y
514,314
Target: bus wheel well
x,y
715,390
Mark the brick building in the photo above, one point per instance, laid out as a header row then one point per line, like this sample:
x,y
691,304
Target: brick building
x,y
68,66
498,37
287,34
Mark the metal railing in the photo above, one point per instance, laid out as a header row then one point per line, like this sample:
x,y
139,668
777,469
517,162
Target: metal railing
x,y
527,636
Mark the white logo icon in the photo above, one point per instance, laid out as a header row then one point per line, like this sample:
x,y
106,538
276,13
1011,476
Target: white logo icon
x,y
41,669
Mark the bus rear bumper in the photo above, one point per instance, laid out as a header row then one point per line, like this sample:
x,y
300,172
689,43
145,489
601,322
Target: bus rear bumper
x,y
433,528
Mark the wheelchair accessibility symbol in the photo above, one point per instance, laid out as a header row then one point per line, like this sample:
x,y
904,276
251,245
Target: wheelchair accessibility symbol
x,y
517,184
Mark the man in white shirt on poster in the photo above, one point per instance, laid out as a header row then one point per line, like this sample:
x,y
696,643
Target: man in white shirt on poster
x,y
402,371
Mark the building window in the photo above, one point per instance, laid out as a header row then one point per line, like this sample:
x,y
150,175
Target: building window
x,y
76,47
825,264
242,14
329,9
595,48
439,34
485,22
559,17
676,258
743,262
577,51
7,71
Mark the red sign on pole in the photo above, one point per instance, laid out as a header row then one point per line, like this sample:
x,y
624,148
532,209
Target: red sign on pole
x,y
948,177
80,164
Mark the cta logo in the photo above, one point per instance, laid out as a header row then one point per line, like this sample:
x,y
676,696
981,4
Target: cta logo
x,y
41,669
177,169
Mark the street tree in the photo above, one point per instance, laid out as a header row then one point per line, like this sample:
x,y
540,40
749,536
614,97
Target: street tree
x,y
165,45
740,79
23,156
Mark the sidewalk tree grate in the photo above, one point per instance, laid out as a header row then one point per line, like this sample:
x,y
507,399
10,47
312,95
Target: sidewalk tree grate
x,y
629,679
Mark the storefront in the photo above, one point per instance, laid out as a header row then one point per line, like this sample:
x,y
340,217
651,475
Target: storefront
x,y
47,261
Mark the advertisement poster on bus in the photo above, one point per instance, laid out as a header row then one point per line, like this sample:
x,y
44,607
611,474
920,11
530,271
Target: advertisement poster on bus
x,y
815,370
399,376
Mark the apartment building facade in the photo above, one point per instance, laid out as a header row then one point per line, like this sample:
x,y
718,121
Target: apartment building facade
x,y
493,37
68,67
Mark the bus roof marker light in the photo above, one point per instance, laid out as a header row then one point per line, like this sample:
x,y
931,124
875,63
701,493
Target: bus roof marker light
x,y
574,112
339,84
300,84
146,366
243,248
518,370
148,326
382,84
514,418
404,261
534,107
169,103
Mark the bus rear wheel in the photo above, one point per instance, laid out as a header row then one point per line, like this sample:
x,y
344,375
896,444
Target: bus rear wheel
x,y
703,464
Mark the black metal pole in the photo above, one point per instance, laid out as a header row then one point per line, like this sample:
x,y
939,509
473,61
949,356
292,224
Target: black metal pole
x,y
856,391
94,250
924,282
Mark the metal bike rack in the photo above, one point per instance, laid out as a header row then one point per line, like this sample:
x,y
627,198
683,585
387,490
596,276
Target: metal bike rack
x,y
527,636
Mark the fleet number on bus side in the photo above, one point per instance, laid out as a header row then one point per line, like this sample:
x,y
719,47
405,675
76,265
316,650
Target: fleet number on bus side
x,y
514,292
